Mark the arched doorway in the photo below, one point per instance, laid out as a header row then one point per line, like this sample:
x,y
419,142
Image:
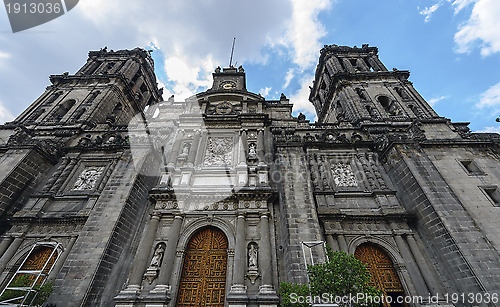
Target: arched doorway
x,y
380,265
203,279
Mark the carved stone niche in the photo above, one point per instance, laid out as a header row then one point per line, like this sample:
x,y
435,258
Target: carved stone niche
x,y
155,264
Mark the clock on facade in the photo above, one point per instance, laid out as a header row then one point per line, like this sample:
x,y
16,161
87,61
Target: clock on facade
x,y
228,85
224,108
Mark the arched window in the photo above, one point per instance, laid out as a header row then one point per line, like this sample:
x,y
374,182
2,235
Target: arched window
x,y
63,109
31,275
384,275
389,106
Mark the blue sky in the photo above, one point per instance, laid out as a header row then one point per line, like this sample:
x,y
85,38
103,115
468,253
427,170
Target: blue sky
x,y
451,47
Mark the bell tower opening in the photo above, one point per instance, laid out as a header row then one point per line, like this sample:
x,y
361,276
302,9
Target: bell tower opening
x,y
203,279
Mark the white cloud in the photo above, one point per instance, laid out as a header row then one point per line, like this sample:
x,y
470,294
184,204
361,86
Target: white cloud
x,y
3,57
300,99
305,31
433,101
428,11
288,78
482,27
489,130
490,98
461,4
5,114
265,91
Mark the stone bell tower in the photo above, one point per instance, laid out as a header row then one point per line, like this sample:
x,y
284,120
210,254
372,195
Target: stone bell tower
x,y
353,85
70,190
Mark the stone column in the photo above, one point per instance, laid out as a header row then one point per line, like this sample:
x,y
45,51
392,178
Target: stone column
x,y
260,146
422,265
194,148
337,65
10,252
169,256
142,255
415,283
5,244
62,259
332,242
342,243
63,175
362,63
239,257
243,148
264,261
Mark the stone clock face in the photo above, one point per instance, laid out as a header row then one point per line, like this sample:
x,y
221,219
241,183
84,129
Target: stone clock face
x,y
228,85
224,108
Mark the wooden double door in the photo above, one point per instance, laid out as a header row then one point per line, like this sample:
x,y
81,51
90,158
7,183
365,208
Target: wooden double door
x,y
203,279
384,275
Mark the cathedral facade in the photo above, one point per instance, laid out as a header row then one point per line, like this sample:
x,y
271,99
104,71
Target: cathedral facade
x,y
119,198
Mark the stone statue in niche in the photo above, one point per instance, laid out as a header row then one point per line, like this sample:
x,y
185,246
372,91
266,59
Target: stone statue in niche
x,y
252,150
88,178
343,175
155,264
183,156
253,266
252,256
158,256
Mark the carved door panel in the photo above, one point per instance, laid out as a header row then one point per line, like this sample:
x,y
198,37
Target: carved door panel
x,y
203,279
384,276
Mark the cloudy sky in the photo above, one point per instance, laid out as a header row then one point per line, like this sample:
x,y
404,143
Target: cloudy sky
x,y
451,47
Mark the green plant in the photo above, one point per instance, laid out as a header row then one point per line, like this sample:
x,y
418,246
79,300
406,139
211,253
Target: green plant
x,y
287,290
37,296
342,275
42,293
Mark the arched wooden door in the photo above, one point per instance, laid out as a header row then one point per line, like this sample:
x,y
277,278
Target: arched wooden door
x,y
380,265
203,279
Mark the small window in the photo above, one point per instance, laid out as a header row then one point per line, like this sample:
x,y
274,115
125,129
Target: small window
x,y
471,167
493,194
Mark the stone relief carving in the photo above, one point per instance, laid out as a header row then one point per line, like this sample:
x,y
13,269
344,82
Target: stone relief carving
x,y
219,151
343,175
88,178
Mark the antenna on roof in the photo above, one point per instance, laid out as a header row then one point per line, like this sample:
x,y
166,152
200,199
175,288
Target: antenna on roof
x,y
232,51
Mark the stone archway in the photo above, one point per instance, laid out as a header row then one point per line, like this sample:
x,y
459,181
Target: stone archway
x,y
203,279
381,267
